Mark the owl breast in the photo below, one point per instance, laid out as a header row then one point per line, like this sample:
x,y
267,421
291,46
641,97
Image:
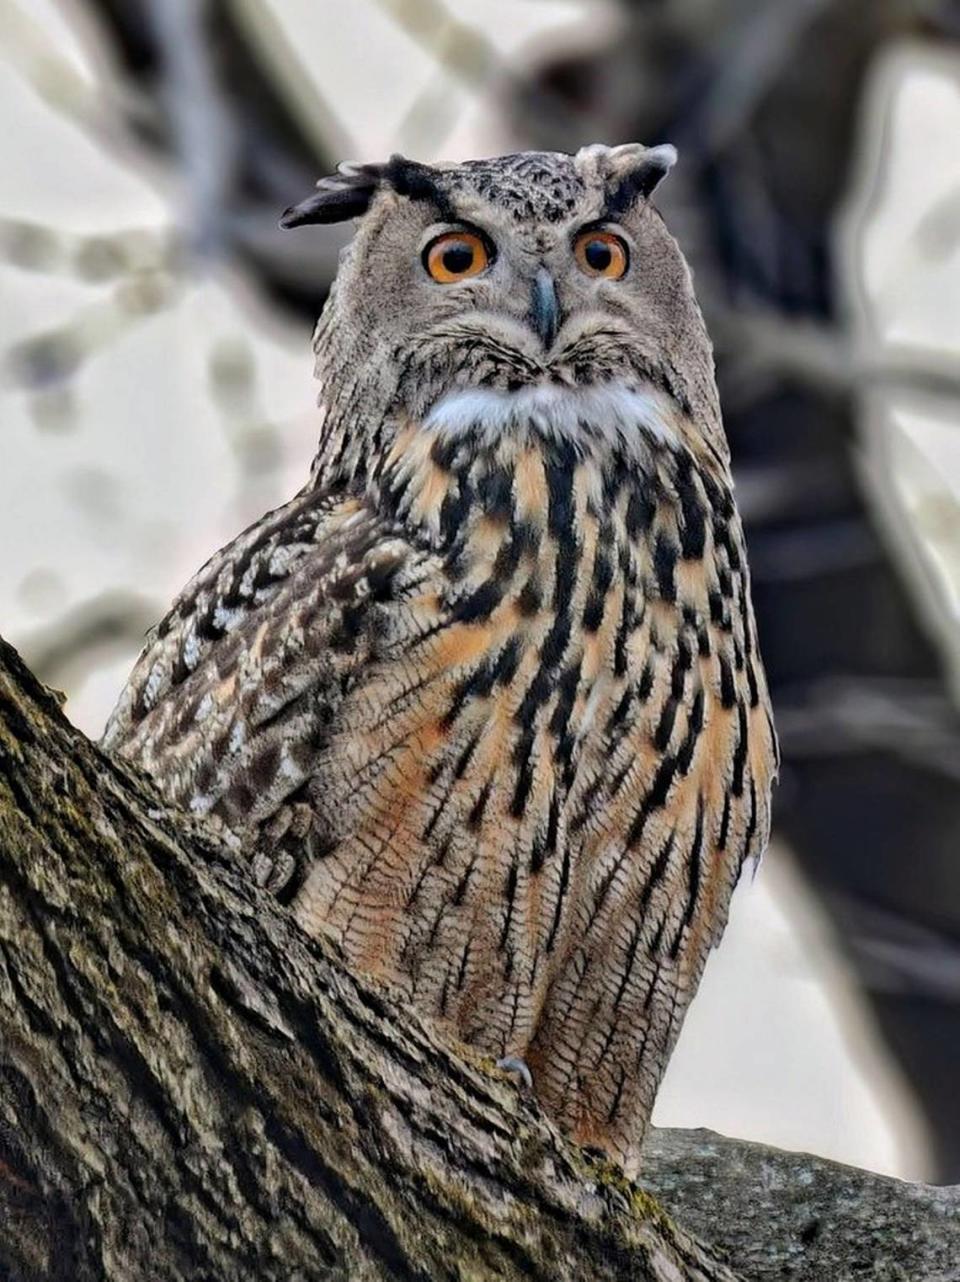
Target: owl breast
x,y
540,794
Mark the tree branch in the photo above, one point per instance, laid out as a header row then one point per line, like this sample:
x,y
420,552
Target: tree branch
x,y
190,1087
792,1216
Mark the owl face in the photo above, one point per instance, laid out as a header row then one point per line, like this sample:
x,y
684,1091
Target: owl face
x,y
522,275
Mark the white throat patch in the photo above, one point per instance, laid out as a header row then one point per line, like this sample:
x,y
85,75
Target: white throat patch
x,y
603,411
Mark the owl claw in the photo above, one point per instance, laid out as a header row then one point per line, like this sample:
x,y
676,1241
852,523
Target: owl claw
x,y
272,867
273,872
301,820
515,1064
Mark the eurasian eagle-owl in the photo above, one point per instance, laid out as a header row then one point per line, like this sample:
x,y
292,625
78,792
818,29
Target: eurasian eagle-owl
x,y
483,701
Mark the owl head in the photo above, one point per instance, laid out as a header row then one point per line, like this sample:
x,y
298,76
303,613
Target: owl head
x,y
523,277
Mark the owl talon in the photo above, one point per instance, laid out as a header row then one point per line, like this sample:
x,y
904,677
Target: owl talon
x,y
273,872
515,1064
301,820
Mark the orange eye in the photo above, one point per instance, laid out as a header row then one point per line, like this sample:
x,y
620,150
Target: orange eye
x,y
601,253
456,255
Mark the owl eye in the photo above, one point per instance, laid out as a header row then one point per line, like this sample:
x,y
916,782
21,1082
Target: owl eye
x,y
601,253
456,255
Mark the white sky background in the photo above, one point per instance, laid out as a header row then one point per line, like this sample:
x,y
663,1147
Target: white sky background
x,y
144,486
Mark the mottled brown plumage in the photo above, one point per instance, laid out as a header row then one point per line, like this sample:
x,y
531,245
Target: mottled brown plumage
x,y
489,684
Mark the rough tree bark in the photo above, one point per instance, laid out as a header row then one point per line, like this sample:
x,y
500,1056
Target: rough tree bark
x,y
190,1088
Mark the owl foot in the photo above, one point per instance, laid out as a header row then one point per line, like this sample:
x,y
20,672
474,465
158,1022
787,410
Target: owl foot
x,y
273,872
515,1064
272,864
292,821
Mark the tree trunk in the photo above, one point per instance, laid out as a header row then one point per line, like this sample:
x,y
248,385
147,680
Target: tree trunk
x,y
190,1088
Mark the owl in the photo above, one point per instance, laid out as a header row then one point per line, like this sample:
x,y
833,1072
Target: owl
x,y
483,702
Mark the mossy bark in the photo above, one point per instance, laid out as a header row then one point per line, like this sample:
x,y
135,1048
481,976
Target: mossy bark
x,y
192,1089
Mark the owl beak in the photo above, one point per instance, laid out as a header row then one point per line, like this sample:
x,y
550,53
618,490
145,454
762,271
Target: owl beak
x,y
544,308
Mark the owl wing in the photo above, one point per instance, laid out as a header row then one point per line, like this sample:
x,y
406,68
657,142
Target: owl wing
x,y
227,705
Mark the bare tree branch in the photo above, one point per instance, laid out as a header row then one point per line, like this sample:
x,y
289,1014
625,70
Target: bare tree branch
x,y
190,1087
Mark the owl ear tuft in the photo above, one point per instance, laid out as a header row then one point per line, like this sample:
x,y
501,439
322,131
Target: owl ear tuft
x,y
343,195
634,172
